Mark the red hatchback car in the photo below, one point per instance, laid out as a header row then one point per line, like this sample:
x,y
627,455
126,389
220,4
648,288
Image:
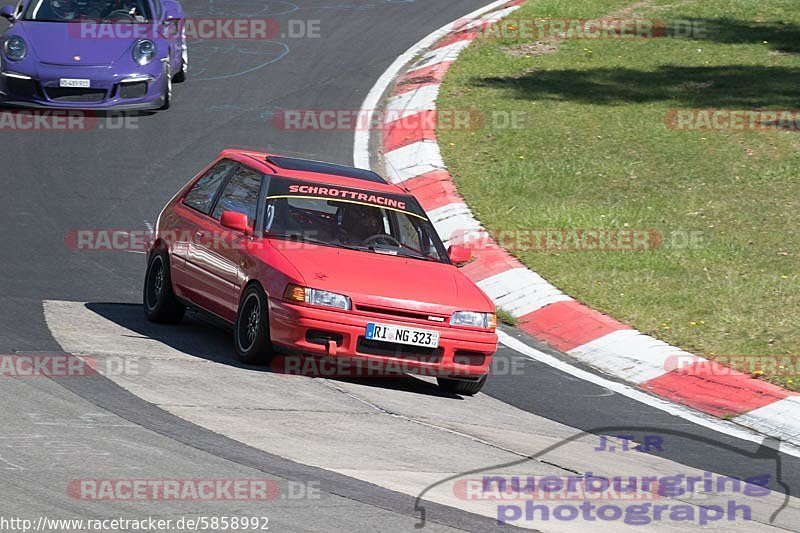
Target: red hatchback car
x,y
321,260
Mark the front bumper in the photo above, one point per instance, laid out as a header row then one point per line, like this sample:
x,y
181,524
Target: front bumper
x,y
39,87
302,329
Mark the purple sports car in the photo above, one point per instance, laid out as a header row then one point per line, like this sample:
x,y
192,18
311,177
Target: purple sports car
x,y
92,54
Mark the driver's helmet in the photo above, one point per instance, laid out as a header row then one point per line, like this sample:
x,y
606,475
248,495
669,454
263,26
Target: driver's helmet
x,y
360,221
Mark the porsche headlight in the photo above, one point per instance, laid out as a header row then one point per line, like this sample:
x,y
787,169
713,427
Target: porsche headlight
x,y
319,297
472,319
144,52
15,48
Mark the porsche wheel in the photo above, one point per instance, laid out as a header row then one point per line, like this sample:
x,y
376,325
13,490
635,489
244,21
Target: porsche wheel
x,y
180,76
167,98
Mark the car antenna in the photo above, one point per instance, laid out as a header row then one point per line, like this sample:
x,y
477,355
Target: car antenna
x,y
402,184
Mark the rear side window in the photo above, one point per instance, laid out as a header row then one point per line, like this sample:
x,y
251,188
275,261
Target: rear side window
x,y
201,196
240,194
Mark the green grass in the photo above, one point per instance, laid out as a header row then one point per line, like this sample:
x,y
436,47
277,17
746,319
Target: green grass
x,y
505,317
595,153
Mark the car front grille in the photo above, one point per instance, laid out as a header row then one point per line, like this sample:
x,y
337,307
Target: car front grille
x,y
400,351
388,311
75,95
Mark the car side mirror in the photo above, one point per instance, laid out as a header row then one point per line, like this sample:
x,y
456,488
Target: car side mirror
x,y
235,221
172,10
8,12
459,255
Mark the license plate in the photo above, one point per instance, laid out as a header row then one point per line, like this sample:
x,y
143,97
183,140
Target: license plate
x,y
399,335
75,83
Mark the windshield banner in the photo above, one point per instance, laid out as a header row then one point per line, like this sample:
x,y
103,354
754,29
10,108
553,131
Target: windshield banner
x,y
281,188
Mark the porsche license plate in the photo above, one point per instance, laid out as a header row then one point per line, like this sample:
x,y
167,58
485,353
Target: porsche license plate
x,y
74,83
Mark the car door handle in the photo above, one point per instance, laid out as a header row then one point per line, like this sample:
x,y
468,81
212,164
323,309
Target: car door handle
x,y
199,235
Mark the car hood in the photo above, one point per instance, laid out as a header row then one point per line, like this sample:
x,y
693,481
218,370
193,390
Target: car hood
x,y
391,281
59,43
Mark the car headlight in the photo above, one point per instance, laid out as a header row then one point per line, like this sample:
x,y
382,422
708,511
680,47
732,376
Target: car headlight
x,y
296,293
15,48
471,319
144,52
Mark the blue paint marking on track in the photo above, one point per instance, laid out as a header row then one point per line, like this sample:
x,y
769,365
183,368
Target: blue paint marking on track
x,y
245,9
250,49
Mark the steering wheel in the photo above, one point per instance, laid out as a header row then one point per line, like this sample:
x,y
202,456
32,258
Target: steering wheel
x,y
64,9
382,237
121,13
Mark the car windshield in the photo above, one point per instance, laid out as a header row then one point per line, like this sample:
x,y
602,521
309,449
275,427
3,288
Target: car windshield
x,y
118,11
347,218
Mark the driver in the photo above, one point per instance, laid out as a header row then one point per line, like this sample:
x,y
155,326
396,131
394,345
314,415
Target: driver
x,y
359,222
64,9
92,9
129,7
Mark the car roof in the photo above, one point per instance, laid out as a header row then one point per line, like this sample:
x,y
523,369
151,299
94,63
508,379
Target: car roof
x,y
320,167
313,171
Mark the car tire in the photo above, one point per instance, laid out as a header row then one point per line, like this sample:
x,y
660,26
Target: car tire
x,y
180,76
463,388
158,299
166,101
251,331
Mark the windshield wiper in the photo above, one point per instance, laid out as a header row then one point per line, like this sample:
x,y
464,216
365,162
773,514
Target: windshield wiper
x,y
404,252
385,250
301,238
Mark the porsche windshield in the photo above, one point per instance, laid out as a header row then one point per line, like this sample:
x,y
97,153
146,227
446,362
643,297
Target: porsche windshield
x,y
367,221
129,11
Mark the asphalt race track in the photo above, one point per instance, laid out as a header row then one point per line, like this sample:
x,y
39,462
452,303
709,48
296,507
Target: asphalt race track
x,y
193,412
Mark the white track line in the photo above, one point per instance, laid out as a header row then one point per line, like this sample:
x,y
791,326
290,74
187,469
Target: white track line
x,y
690,415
